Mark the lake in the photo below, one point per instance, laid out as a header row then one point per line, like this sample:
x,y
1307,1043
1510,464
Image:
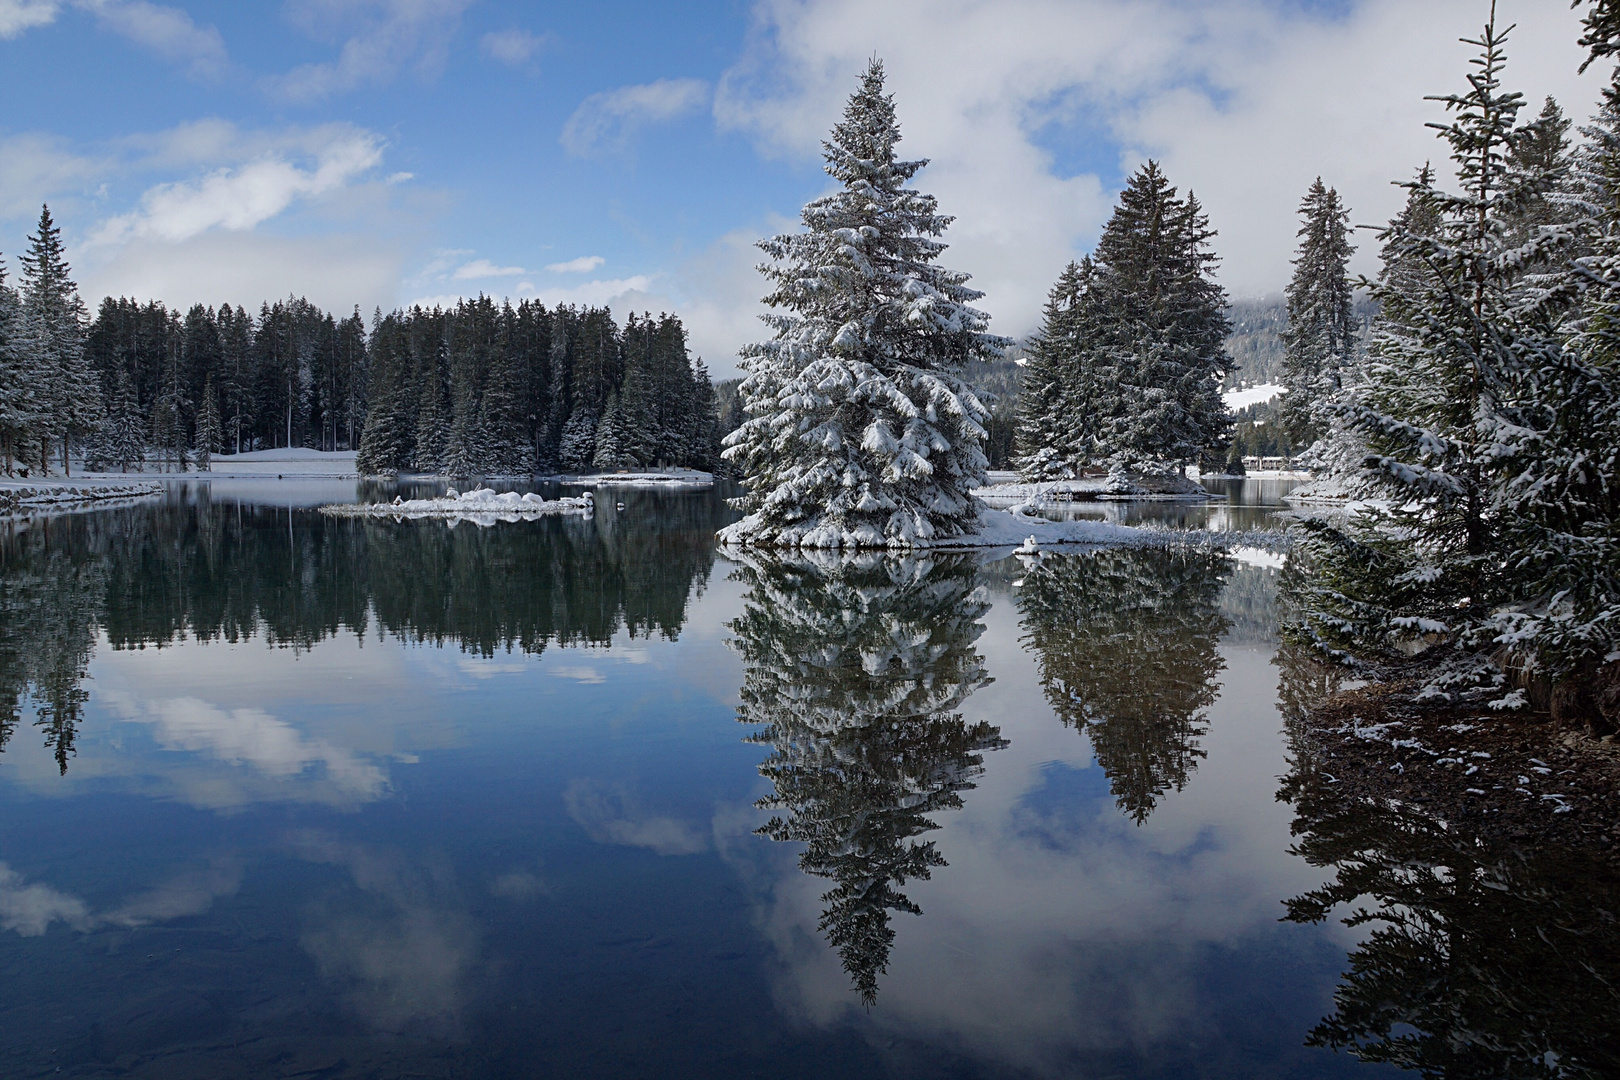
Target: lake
x,y
292,795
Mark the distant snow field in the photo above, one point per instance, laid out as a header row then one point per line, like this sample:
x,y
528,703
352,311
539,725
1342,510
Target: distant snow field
x,y
1251,395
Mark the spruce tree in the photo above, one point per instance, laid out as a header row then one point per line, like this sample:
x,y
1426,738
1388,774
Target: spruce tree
x,y
208,429
1320,342
18,405
860,430
69,393
1148,372
1046,442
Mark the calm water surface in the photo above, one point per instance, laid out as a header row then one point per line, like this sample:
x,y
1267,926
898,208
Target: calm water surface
x,y
288,795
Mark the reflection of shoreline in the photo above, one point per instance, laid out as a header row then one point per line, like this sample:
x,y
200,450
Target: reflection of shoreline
x,y
174,570
856,667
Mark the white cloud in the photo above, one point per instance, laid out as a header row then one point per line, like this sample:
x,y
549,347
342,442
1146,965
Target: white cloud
x,y
335,271
514,47
30,909
582,265
1241,101
607,121
167,31
19,16
383,38
479,269
621,294
238,198
36,168
399,177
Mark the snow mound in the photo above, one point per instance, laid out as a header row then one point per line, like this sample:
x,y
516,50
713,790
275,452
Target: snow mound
x,y
481,507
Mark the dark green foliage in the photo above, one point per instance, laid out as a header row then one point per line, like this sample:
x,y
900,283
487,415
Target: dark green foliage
x,y
480,389
1127,369
1126,642
1320,342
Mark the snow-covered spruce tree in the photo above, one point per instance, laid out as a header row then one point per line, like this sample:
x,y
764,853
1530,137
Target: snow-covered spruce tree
x,y
208,429
860,430
857,668
17,377
1320,342
70,393
1493,439
123,440
1046,443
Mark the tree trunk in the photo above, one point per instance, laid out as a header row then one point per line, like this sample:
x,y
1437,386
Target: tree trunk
x,y
67,464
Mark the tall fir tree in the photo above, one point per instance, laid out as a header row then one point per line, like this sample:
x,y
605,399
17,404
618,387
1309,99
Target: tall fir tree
x,y
208,427
69,392
1152,356
18,406
861,431
1320,342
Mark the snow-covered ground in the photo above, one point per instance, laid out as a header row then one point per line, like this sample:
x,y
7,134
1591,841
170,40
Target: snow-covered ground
x,y
289,462
68,493
1251,395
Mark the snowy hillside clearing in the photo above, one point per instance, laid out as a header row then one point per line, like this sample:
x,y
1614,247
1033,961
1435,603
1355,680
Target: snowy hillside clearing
x,y
1251,395
481,507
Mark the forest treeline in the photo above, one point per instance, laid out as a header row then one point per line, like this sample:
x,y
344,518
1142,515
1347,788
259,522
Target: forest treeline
x,y
478,389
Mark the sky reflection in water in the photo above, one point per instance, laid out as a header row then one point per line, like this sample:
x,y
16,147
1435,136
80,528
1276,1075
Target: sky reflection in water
x,y
377,797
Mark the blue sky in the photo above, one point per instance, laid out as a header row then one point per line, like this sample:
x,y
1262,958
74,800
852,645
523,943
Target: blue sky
x,y
379,152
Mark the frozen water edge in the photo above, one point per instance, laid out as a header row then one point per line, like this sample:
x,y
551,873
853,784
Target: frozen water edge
x,y
667,480
475,506
66,493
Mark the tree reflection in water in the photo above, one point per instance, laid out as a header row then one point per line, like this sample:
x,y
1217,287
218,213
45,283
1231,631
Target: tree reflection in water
x,y
1485,957
857,666
161,572
1126,643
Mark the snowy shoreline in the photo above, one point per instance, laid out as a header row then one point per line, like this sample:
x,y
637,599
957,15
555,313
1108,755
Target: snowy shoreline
x,y
67,494
475,506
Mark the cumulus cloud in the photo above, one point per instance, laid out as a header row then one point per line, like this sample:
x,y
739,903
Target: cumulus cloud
x,y
241,197
380,38
1029,108
19,16
167,31
607,121
609,816
35,168
582,265
513,47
